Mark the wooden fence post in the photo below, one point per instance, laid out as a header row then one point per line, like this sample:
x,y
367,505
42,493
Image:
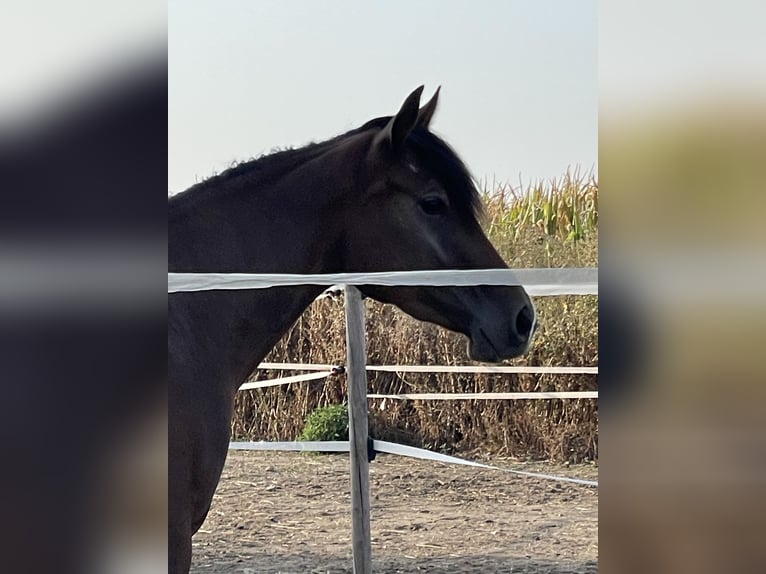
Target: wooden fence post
x,y
357,430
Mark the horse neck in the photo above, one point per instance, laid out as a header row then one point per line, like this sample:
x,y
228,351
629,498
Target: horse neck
x,y
290,226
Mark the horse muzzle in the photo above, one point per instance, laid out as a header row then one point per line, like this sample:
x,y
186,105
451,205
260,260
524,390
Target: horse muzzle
x,y
498,338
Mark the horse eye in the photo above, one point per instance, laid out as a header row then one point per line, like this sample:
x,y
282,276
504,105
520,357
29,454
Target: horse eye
x,y
433,205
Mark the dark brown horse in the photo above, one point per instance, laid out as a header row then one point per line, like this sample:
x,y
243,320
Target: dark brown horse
x,y
389,195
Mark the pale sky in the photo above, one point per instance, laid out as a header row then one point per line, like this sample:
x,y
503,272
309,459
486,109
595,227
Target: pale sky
x,y
519,79
657,54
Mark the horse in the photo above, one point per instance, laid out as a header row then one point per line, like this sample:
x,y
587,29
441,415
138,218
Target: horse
x,y
387,196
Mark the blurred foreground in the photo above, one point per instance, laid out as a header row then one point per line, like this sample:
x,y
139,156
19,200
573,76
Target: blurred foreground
x,y
682,142
83,177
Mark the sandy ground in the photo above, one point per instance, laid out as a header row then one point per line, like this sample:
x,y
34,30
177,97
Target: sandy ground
x,y
290,513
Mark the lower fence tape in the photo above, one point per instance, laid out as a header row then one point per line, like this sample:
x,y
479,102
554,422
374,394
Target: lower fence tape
x,y
498,369
411,451
309,446
400,449
536,395
284,381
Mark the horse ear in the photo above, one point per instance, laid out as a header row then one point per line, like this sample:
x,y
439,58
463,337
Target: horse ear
x,y
427,112
399,127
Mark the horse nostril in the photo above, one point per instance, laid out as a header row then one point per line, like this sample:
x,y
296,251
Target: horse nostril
x,y
525,321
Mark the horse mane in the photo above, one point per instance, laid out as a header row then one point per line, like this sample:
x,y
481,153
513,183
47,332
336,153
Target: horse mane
x,y
431,151
260,171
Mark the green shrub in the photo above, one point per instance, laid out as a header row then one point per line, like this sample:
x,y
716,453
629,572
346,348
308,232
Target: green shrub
x,y
326,423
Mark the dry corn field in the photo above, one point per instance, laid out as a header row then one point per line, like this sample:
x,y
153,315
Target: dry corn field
x,y
552,224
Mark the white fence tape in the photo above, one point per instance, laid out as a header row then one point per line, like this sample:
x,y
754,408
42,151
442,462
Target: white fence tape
x,y
537,282
421,396
284,381
309,446
296,366
477,369
488,396
441,369
402,450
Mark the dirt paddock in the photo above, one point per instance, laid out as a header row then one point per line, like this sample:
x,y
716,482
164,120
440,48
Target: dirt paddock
x,y
290,513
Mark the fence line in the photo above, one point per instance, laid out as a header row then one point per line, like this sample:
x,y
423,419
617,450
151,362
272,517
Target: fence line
x,y
330,370
284,381
394,448
429,396
505,369
252,385
537,282
515,396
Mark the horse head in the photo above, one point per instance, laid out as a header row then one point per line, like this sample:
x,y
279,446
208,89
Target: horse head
x,y
418,209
